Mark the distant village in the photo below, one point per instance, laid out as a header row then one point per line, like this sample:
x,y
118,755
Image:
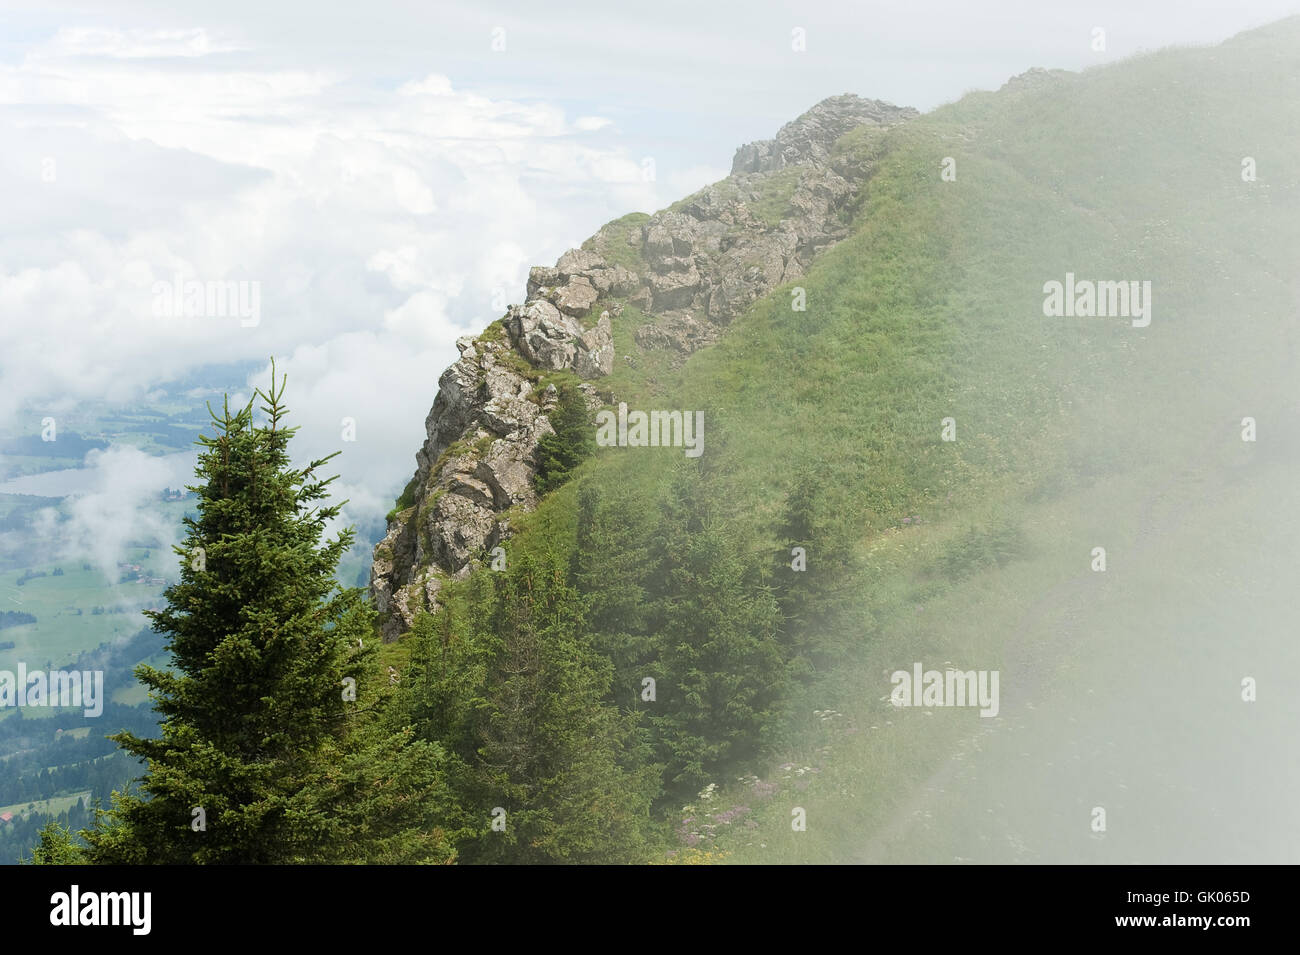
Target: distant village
x,y
135,574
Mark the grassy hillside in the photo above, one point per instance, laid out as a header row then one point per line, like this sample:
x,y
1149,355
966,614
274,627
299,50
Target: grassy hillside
x,y
1071,433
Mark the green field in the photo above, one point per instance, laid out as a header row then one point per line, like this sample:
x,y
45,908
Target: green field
x,y
65,606
52,806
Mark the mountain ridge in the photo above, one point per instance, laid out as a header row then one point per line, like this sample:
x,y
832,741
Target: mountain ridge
x,y
675,278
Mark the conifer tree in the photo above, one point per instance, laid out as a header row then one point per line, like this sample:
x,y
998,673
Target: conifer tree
x,y
503,677
266,754
550,749
571,442
611,565
814,589
56,847
722,669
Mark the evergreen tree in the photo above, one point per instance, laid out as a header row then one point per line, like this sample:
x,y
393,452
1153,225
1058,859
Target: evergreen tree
x,y
266,755
503,676
572,442
57,846
811,599
611,566
551,750
717,632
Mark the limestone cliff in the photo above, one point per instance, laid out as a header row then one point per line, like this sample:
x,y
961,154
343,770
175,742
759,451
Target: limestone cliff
x,y
691,268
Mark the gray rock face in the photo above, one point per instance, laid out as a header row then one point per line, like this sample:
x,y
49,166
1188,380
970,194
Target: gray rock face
x,y
691,269
577,297
551,339
810,137
595,355
477,462
1033,78
543,334
565,284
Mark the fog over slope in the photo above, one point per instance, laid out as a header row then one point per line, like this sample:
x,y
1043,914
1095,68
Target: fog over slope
x,y
1030,415
922,490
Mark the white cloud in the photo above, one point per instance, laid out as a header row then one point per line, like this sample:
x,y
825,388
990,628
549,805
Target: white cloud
x,y
132,44
694,178
117,509
381,224
388,178
365,394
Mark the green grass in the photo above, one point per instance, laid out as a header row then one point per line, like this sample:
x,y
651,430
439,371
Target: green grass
x,y
1018,779
649,376
405,500
64,608
614,245
773,194
132,695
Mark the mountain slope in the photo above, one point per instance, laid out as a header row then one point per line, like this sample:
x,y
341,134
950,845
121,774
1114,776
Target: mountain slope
x,y
929,317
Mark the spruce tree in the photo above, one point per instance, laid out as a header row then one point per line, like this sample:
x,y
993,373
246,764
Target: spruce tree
x,y
503,676
812,599
265,754
723,675
56,847
571,442
551,750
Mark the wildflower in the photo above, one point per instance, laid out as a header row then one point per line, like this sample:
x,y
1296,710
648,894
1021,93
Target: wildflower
x,y
763,789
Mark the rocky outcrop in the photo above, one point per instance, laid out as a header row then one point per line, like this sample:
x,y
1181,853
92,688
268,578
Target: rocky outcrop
x,y
550,338
809,138
689,270
575,276
478,459
1033,78
700,263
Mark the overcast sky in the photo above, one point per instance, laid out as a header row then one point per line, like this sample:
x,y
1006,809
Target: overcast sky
x,y
389,171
